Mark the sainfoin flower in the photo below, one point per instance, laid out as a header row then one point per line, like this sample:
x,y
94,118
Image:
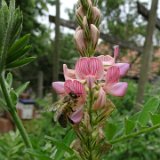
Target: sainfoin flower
x,y
89,66
69,87
112,85
109,61
76,88
76,91
89,69
68,73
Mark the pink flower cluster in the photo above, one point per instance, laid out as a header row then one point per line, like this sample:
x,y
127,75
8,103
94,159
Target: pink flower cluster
x,y
102,73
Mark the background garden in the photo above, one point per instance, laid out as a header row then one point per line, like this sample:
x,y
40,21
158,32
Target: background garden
x,y
50,39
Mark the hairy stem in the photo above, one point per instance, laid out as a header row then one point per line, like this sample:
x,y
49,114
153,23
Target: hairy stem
x,y
13,112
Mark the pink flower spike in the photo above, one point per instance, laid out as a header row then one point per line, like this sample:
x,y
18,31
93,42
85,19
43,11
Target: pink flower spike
x,y
124,67
74,87
112,75
106,60
116,51
117,89
77,115
91,66
58,87
68,73
101,100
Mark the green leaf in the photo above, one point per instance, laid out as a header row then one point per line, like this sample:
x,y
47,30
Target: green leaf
x,y
60,145
17,25
21,88
3,104
38,154
67,140
129,125
155,118
20,62
150,106
10,21
14,97
9,79
3,13
18,45
135,116
110,130
18,54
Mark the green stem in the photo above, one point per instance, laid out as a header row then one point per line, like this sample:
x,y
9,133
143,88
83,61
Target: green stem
x,y
146,130
90,115
90,105
13,112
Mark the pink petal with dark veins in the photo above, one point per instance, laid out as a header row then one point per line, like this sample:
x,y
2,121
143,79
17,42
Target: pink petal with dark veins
x,y
89,66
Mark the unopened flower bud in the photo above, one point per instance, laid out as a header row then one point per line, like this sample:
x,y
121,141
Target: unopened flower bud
x,y
89,2
116,51
87,121
80,12
80,41
86,27
101,133
76,145
85,23
86,3
94,35
101,100
105,147
80,15
96,16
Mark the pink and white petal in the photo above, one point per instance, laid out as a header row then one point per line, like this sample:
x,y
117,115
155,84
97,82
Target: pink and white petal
x,y
117,89
101,100
68,73
116,51
81,68
77,115
106,60
96,67
68,86
89,67
74,86
124,67
58,87
112,75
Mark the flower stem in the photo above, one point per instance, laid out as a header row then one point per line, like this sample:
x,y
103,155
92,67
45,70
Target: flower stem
x,y
90,105
146,130
90,115
13,112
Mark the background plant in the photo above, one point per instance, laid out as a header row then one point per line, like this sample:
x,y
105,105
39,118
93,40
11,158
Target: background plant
x,y
13,51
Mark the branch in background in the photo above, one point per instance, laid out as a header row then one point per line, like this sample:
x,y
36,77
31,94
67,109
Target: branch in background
x,y
145,13
106,37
